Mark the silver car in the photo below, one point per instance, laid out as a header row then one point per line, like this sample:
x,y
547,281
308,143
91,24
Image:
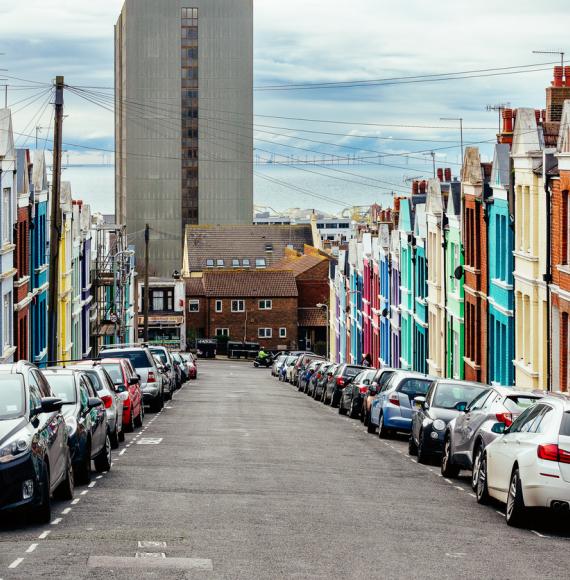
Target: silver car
x,y
150,377
166,359
468,434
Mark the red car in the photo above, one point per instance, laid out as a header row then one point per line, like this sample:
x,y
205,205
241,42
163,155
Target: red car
x,y
127,384
191,365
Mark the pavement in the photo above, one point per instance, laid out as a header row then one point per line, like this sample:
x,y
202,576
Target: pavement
x,y
241,476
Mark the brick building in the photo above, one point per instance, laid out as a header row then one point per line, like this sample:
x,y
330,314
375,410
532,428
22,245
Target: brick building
x,y
255,306
22,294
475,189
560,260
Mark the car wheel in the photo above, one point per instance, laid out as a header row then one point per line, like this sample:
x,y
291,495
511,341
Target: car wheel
x,y
139,419
65,489
423,455
114,438
83,470
481,491
121,435
412,447
516,510
43,511
448,469
383,433
341,407
371,428
130,426
477,456
103,460
351,413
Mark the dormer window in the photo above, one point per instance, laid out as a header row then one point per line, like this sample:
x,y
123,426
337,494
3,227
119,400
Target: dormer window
x,y
209,263
260,263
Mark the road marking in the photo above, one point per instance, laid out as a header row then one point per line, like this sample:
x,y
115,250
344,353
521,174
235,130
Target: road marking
x,y
455,554
99,477
85,492
92,484
56,521
31,548
150,555
449,481
151,544
500,513
473,495
16,563
66,511
75,501
459,488
150,441
122,452
539,535
44,535
114,562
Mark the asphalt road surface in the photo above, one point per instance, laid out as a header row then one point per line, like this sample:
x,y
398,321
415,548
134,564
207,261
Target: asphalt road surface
x,y
243,477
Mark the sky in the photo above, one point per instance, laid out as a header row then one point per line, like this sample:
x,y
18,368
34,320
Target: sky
x,y
307,41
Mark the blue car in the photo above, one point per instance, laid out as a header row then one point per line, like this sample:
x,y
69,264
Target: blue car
x,y
392,406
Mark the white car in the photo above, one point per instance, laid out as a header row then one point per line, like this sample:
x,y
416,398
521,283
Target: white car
x,y
529,465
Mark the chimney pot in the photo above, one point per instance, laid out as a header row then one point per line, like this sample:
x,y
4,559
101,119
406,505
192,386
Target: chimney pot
x,y
567,76
558,73
415,187
507,121
423,186
440,173
537,115
447,173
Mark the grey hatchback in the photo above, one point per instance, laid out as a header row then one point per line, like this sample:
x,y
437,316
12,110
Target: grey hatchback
x,y
468,434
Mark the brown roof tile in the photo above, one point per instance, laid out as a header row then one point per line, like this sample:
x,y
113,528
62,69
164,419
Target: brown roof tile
x,y
311,317
250,283
299,264
194,287
239,242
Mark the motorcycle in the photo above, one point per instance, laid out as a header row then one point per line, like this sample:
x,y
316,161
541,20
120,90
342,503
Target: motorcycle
x,y
263,362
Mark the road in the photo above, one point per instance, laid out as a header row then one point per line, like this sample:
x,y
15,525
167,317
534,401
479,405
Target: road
x,y
243,477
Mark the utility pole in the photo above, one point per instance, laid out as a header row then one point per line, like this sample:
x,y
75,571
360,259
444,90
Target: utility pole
x,y
500,107
146,288
55,225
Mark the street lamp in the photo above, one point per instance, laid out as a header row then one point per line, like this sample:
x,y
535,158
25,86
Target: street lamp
x,y
326,308
128,253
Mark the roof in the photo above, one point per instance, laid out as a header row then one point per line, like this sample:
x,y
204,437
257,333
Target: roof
x,y
231,242
250,283
310,317
299,264
6,135
501,173
194,287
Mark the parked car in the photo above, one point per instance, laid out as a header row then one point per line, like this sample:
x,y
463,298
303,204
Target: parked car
x,y
444,401
289,368
35,461
127,384
166,377
343,374
106,391
277,364
528,466
169,368
326,371
380,379
305,376
316,376
181,367
303,360
353,394
191,364
392,407
468,435
86,421
143,363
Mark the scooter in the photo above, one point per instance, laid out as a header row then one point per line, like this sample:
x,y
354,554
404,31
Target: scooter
x,y
263,362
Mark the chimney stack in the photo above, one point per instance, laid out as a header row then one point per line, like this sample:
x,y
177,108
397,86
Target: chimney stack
x,y
440,173
423,186
447,174
567,76
415,187
558,73
557,93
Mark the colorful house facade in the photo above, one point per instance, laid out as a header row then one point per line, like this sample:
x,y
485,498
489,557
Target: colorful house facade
x,y
421,327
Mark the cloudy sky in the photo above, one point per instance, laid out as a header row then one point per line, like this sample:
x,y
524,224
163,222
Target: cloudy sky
x,y
312,41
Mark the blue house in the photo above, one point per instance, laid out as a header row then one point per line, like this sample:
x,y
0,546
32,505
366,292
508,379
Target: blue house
x,y
421,342
39,261
501,284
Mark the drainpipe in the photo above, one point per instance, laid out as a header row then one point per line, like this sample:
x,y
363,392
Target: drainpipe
x,y
548,275
444,247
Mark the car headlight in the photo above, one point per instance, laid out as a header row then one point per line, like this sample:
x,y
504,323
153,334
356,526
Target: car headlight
x,y
439,425
71,425
13,450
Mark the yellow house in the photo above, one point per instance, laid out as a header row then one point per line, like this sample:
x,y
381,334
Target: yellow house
x,y
64,343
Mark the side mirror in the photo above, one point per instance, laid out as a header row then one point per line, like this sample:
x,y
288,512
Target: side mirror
x,y
168,368
138,377
419,402
119,388
461,406
94,402
134,380
498,428
372,390
49,405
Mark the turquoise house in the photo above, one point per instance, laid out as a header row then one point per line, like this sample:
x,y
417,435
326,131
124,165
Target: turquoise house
x,y
405,230
501,265
421,341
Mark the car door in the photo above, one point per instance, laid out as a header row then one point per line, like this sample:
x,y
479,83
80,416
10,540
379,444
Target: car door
x,y
134,389
84,419
466,423
98,418
419,413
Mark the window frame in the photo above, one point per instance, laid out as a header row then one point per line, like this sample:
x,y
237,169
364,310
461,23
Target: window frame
x,y
240,305
265,301
219,306
263,333
283,332
193,302
222,332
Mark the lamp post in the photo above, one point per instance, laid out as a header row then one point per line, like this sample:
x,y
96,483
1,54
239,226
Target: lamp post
x,y
115,257
326,308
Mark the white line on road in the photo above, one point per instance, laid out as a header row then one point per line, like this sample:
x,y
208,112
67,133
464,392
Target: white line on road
x,y
99,477
75,501
92,484
473,495
56,521
500,513
31,548
449,481
122,452
44,535
65,511
151,544
539,535
85,492
459,488
16,563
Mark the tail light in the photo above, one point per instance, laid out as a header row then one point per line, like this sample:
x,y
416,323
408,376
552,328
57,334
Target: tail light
x,y
340,382
394,400
319,375
107,401
151,377
363,390
506,418
552,452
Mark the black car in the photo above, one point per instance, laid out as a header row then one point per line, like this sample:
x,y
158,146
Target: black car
x,y
306,375
86,421
326,371
315,377
444,401
335,385
35,461
353,394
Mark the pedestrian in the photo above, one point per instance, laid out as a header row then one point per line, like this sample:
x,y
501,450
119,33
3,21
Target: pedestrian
x,y
366,360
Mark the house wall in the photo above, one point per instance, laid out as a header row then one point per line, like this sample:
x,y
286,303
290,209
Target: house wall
x,y
455,302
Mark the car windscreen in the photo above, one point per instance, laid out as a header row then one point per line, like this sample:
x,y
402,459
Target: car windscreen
x,y
351,371
447,395
115,372
160,354
12,397
95,379
518,403
63,387
564,426
138,358
384,378
414,387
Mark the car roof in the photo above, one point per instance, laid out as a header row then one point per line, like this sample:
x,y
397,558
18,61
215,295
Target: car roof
x,y
16,367
441,380
512,391
558,398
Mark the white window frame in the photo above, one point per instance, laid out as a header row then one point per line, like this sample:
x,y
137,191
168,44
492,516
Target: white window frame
x,y
246,263
265,333
282,332
219,306
267,304
193,303
210,263
7,314
222,331
240,305
220,263
259,265
6,215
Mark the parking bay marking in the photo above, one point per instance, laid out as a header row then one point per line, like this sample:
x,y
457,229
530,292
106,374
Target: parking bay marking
x,y
66,511
16,563
115,562
56,521
44,535
150,441
151,544
31,548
